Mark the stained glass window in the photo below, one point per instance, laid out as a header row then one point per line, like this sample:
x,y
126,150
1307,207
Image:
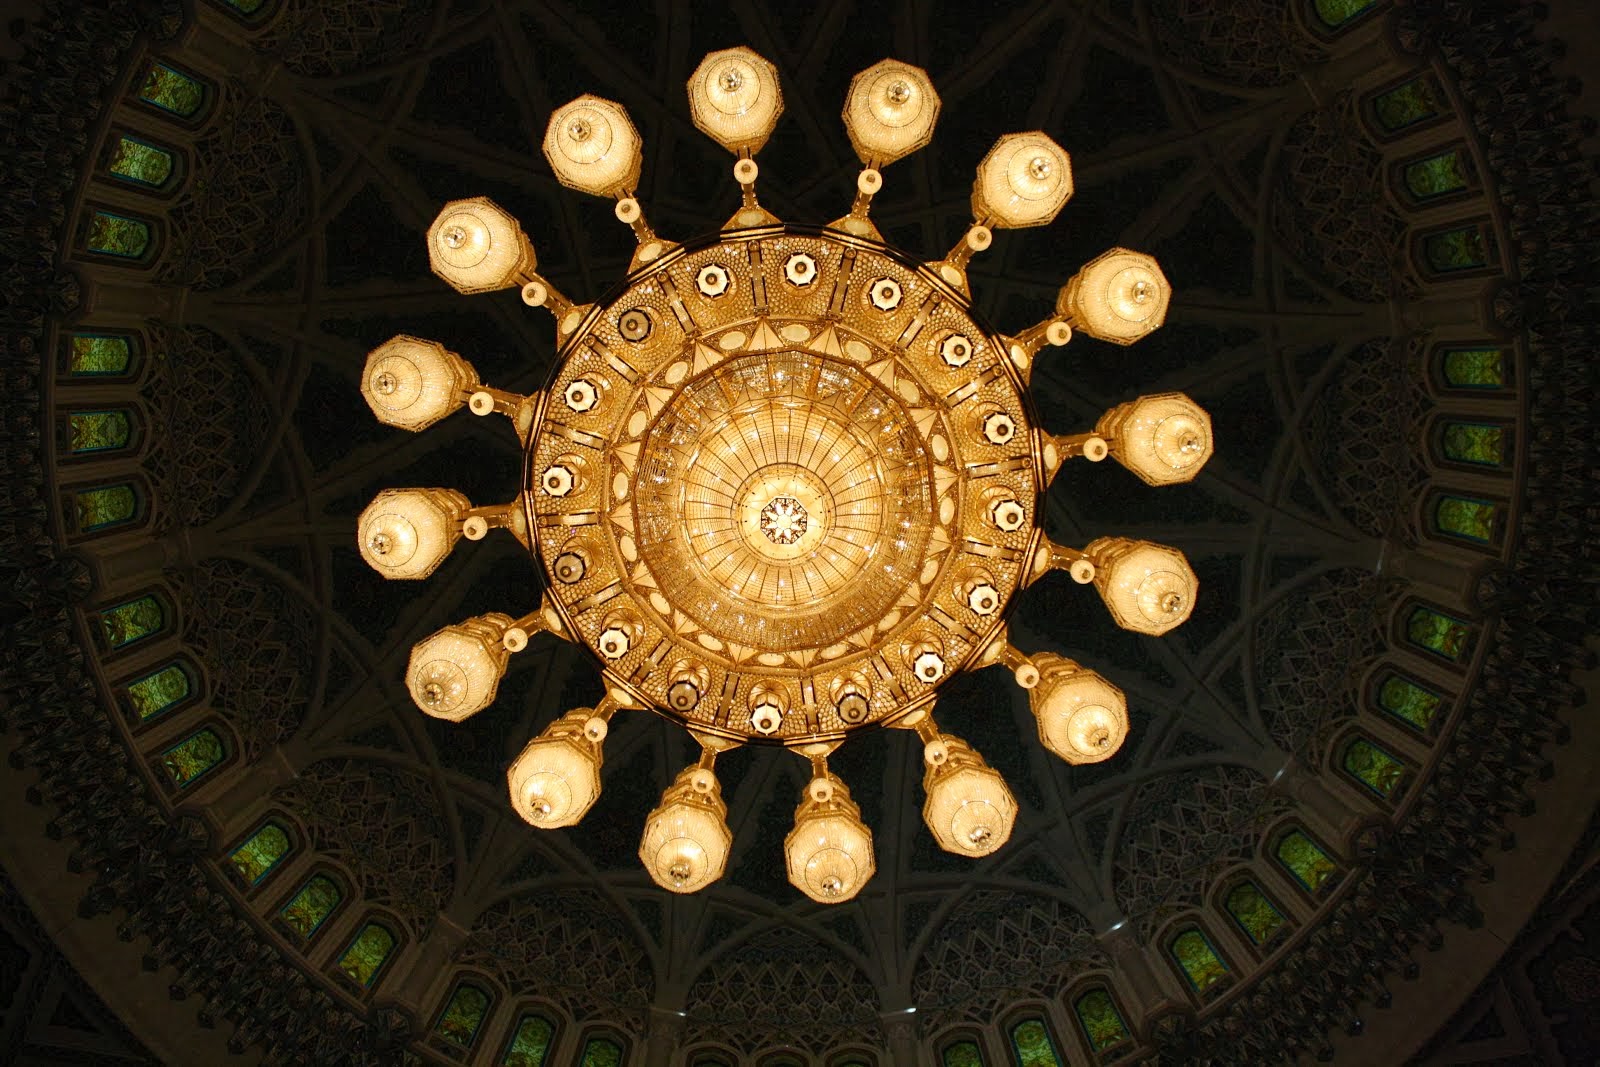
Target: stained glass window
x,y
1030,1039
781,1060
1406,105
172,90
1465,517
1373,767
189,760
133,621
1254,913
1310,866
310,907
1480,443
530,1044
98,431
1439,634
601,1052
246,7
710,1059
1198,960
98,353
962,1054
159,692
104,506
1408,701
463,1017
1335,13
1437,176
260,853
1463,248
140,162
117,235
1102,1023
367,954
1475,368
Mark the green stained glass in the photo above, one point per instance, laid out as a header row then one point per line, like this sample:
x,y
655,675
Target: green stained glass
x,y
1405,105
94,353
1335,13
247,7
312,905
1464,248
963,1054
1437,633
255,858
98,431
133,621
192,757
1437,175
1480,443
1466,518
601,1052
1310,865
1373,767
367,954
463,1016
1475,368
1033,1046
141,162
1102,1023
1200,962
172,90
1254,913
117,235
156,693
1407,700
531,1044
109,505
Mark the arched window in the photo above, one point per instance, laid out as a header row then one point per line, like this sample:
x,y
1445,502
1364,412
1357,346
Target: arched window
x,y
88,432
137,162
1100,1020
1411,703
108,233
1256,915
1408,104
1467,518
1460,248
783,1059
1476,367
193,758
260,853
102,507
1033,1046
249,10
1373,767
1478,444
463,1015
963,1053
99,355
1336,14
171,90
132,621
310,907
159,691
1444,636
531,1042
1197,960
1302,858
369,951
710,1059
601,1052
854,1059
1440,174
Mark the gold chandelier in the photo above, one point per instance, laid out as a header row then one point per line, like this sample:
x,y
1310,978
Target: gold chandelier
x,y
786,485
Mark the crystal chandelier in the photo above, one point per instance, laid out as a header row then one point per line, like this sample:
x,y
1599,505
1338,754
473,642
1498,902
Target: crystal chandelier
x,y
786,484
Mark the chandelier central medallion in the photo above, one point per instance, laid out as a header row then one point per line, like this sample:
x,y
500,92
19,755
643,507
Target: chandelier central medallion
x,y
785,485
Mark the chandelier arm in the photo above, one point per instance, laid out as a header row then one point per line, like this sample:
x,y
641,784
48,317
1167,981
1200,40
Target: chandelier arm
x,y
538,292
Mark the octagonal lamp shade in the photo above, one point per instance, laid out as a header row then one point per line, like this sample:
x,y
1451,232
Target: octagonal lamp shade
x,y
1148,588
454,673
829,851
1164,438
686,838
1082,717
1119,296
969,809
592,146
735,99
412,383
556,779
1023,181
889,111
407,533
477,246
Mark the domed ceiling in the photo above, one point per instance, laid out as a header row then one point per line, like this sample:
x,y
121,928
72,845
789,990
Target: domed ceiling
x,y
1376,220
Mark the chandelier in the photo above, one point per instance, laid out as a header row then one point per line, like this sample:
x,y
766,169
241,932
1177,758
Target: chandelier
x,y
785,485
